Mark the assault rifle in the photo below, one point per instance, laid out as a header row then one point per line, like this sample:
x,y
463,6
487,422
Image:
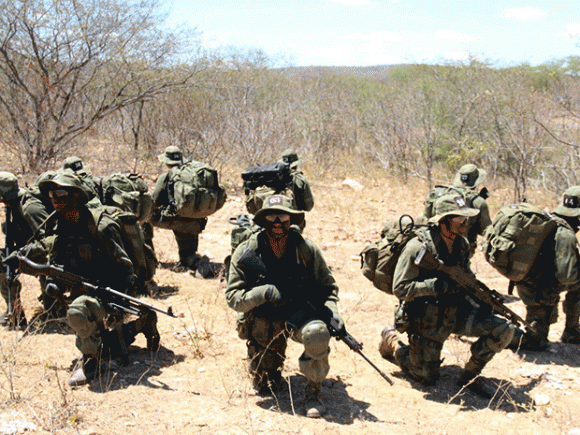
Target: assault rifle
x,y
476,289
276,176
8,248
116,301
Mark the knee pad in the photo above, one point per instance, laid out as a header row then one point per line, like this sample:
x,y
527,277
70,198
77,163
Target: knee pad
x,y
315,338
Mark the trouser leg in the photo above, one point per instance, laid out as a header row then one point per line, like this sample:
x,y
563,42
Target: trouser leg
x,y
266,353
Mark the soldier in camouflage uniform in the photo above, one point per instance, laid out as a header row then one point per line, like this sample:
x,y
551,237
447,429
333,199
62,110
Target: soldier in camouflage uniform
x,y
283,287
556,270
303,198
91,184
432,307
469,177
95,251
185,230
19,232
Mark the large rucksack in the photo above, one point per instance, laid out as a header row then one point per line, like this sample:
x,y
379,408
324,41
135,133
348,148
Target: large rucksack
x,y
439,190
194,191
129,193
512,242
141,254
379,259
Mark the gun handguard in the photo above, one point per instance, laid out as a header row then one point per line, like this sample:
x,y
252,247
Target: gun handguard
x,y
426,260
116,300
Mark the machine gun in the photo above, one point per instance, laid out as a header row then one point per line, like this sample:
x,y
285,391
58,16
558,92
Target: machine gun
x,y
116,301
478,290
276,176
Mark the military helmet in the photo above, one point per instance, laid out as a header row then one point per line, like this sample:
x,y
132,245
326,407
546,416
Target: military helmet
x,y
66,180
570,206
74,163
171,156
278,204
469,176
8,186
452,205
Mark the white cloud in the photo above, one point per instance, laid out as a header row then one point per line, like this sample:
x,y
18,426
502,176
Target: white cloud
x,y
524,13
452,35
458,55
572,31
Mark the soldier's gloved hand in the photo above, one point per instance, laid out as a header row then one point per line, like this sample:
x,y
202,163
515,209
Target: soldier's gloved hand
x,y
53,290
441,286
273,295
338,322
11,261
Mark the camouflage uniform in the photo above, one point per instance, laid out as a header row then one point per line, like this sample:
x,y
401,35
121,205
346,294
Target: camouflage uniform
x,y
432,307
555,271
304,282
89,249
185,230
303,198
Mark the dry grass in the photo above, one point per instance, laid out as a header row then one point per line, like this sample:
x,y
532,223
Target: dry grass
x,y
197,382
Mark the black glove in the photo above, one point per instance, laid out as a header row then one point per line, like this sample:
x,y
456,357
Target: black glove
x,y
273,295
12,261
441,286
53,290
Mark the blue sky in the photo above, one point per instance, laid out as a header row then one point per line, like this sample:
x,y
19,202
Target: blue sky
x,y
377,32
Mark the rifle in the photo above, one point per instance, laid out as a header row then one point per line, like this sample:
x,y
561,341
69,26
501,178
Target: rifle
x,y
478,290
8,247
116,301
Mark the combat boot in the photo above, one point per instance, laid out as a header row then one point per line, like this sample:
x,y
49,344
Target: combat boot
x,y
473,382
268,382
314,408
389,337
146,324
571,335
85,373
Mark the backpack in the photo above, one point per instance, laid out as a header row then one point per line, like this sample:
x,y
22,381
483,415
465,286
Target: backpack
x,y
243,229
129,193
379,259
255,198
141,254
194,191
439,190
512,242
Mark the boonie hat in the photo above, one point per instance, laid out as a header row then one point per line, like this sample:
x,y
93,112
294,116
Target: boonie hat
x,y
469,176
8,186
570,203
278,204
74,163
65,180
452,205
171,156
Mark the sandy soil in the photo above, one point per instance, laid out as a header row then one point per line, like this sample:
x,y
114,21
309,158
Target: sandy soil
x,y
197,382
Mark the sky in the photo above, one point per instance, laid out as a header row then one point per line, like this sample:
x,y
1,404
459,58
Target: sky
x,y
384,32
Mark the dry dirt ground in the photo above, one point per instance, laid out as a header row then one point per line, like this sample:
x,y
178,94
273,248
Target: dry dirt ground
x,y
197,382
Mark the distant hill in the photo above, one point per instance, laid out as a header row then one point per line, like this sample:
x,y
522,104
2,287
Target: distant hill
x,y
377,71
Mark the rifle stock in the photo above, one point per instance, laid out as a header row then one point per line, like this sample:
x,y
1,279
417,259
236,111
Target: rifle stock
x,y
117,301
477,289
